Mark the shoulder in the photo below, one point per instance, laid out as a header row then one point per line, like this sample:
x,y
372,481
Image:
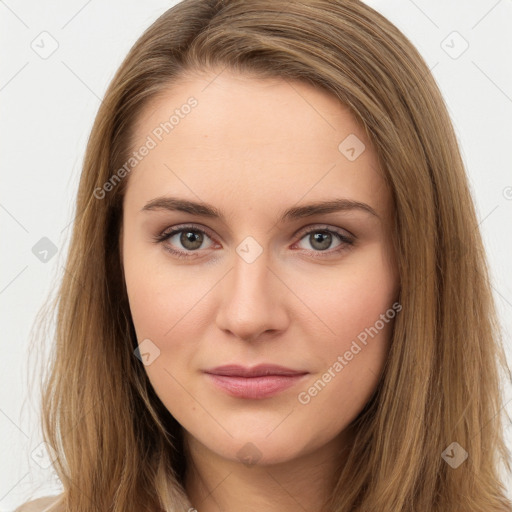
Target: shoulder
x,y
41,504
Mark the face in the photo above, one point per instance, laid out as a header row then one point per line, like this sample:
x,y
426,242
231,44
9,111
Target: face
x,y
228,262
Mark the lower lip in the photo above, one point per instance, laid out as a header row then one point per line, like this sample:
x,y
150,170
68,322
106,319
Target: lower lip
x,y
254,387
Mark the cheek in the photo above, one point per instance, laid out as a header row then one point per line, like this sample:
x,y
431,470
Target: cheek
x,y
161,304
353,299
160,296
355,310
168,307
151,301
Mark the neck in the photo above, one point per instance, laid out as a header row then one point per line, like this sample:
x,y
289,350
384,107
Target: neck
x,y
214,483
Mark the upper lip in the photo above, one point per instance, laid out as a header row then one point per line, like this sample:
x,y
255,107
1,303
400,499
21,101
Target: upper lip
x,y
260,370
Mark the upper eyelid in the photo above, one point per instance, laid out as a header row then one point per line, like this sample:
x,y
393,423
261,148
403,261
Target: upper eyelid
x,y
183,227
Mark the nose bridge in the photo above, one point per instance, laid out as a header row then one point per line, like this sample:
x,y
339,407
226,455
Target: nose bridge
x,y
251,282
250,277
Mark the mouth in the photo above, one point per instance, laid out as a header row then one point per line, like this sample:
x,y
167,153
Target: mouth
x,y
255,383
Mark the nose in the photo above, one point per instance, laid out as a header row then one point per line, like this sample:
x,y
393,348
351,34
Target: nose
x,y
253,301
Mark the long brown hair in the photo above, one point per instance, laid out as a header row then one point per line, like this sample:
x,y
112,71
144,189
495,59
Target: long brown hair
x,y
119,448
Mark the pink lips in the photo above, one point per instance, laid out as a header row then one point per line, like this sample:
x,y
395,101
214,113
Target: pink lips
x,y
258,382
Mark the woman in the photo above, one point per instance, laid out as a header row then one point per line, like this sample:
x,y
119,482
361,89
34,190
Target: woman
x,y
332,345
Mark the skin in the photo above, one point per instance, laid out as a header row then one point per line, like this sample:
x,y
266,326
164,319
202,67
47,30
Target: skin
x,y
252,148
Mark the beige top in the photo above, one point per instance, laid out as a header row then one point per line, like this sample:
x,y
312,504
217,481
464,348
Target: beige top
x,y
40,504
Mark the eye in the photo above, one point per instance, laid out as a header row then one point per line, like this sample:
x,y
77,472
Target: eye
x,y
321,239
189,237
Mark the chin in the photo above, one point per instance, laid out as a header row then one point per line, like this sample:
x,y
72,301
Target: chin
x,y
260,448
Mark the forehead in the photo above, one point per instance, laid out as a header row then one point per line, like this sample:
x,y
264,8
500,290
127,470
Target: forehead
x,y
229,137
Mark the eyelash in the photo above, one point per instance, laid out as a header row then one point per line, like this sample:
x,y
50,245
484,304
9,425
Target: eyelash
x,y
346,242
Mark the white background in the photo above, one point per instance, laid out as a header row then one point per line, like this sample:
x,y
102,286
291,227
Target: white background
x,y
47,109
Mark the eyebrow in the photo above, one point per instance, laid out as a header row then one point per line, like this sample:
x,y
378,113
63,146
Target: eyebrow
x,y
296,212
